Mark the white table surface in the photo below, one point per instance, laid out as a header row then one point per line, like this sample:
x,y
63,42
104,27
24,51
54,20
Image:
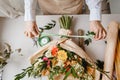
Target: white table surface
x,y
12,32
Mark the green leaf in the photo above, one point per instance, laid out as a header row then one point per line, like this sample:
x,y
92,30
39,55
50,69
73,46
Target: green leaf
x,y
89,40
29,74
67,74
43,66
20,76
105,42
48,26
51,76
86,42
57,68
100,64
41,29
74,73
24,73
63,70
92,33
70,55
85,64
54,22
50,64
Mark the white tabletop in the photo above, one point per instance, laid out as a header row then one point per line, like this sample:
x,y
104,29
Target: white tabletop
x,y
12,32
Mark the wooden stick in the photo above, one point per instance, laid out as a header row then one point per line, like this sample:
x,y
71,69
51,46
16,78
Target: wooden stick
x,y
117,58
81,40
112,35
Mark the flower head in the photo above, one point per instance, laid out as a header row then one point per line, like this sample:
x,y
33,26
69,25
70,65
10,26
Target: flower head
x,y
54,50
45,59
62,55
48,53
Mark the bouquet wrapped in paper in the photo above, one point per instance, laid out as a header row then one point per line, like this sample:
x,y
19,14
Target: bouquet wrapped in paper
x,y
62,59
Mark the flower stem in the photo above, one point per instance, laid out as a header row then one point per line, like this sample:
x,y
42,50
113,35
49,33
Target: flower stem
x,y
72,36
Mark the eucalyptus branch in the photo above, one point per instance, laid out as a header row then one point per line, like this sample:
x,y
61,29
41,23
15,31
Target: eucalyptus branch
x,y
24,73
48,26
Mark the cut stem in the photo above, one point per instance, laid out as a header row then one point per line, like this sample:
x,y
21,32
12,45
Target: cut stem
x,y
72,36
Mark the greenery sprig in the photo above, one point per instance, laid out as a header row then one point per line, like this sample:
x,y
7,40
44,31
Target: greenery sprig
x,y
48,26
24,73
41,30
89,39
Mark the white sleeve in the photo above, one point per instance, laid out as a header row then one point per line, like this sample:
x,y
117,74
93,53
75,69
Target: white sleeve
x,y
30,10
95,9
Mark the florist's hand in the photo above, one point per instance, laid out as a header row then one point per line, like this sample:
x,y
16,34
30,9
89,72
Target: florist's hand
x,y
97,28
31,29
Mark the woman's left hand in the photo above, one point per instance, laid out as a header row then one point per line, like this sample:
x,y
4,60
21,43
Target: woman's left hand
x,y
98,29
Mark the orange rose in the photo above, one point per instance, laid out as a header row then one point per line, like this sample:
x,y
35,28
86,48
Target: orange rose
x,y
54,51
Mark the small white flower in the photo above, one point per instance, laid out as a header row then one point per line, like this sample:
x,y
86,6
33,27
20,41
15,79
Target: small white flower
x,y
75,56
40,60
60,63
36,64
78,72
77,66
48,54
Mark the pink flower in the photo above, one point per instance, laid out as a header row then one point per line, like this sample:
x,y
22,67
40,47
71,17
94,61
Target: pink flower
x,y
45,59
48,63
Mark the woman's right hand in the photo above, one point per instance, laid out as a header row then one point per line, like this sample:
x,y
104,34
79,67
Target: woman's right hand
x,y
31,29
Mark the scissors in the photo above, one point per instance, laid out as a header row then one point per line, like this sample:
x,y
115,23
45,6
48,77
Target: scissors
x,y
35,41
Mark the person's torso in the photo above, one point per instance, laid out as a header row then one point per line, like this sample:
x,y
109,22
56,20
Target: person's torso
x,y
61,6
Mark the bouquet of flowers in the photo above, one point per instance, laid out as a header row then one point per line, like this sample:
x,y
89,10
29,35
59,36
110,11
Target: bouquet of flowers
x,y
62,59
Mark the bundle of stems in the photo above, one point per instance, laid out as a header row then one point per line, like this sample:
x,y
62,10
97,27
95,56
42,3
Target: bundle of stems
x,y
65,22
